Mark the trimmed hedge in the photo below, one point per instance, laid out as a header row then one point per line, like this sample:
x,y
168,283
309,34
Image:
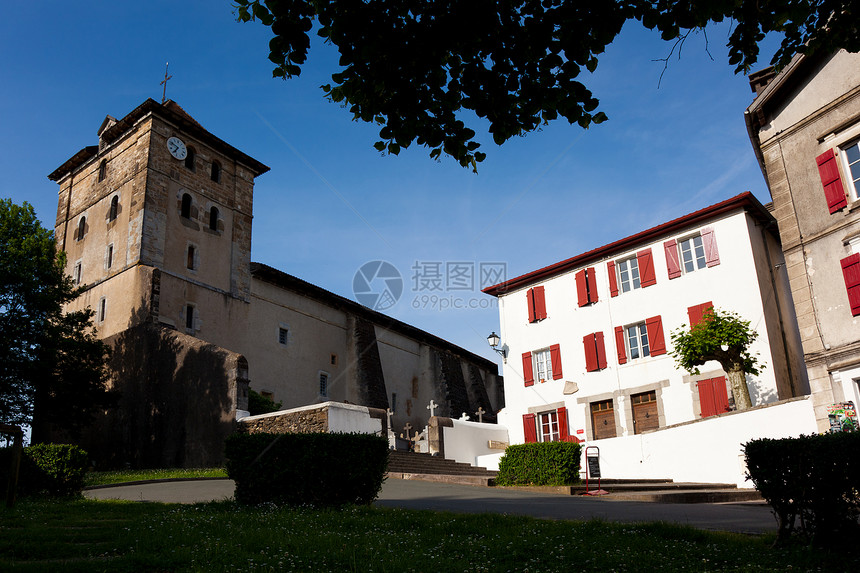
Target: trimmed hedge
x,y
307,469
543,463
48,469
811,482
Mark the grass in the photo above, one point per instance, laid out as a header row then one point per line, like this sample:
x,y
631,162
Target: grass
x,y
80,535
106,478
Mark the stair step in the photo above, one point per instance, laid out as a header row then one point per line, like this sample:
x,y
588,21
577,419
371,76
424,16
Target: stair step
x,y
417,464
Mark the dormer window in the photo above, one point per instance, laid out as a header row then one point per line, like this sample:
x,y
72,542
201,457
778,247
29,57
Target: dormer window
x,y
215,175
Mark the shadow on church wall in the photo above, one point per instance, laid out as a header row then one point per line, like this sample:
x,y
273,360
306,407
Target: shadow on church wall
x,y
177,401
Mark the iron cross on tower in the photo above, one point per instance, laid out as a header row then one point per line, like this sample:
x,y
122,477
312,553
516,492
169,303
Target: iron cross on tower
x,y
164,83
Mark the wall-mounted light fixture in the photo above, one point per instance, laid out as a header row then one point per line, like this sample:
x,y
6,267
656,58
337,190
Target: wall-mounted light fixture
x,y
494,341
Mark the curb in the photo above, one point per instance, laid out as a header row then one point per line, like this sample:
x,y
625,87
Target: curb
x,y
146,481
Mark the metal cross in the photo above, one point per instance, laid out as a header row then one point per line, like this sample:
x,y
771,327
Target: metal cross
x,y
432,407
164,83
480,413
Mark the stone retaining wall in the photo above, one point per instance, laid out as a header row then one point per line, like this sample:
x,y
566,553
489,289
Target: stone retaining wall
x,y
302,422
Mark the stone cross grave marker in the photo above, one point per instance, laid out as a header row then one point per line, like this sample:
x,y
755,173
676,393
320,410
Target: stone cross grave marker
x,y
432,407
388,414
480,413
464,417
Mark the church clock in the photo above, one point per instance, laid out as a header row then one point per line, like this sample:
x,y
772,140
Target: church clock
x,y
177,148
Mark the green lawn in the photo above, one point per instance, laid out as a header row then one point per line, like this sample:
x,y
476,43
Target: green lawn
x,y
105,478
223,536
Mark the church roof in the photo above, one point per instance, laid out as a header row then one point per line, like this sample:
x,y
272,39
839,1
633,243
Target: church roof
x,y
289,282
170,111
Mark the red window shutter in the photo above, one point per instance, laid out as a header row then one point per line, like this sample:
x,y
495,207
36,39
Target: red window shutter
x,y
581,288
529,428
591,282
563,432
528,376
706,398
601,350
696,313
672,262
620,347
540,303
709,241
591,364
655,336
530,300
851,273
721,397
828,169
613,280
646,268
555,360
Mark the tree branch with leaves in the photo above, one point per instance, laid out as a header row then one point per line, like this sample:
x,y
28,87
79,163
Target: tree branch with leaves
x,y
722,336
414,67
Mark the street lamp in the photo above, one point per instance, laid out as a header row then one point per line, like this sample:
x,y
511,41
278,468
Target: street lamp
x,y
493,340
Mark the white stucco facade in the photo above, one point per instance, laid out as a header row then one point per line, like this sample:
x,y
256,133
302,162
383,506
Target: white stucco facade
x,y
744,274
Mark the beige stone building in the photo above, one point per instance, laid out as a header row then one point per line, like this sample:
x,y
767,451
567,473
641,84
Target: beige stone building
x,y
156,224
804,124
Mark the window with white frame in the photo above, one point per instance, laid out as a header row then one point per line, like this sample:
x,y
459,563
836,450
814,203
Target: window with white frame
x,y
548,427
637,341
628,274
692,254
77,273
851,162
543,364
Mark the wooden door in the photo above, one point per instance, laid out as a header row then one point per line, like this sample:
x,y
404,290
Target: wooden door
x,y
603,419
645,416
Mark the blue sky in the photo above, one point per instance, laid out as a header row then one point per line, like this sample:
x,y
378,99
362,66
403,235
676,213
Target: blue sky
x,y
331,203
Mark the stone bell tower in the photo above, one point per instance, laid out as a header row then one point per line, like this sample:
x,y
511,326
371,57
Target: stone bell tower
x,y
156,222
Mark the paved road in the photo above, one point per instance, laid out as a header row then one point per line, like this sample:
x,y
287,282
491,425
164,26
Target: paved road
x,y
740,517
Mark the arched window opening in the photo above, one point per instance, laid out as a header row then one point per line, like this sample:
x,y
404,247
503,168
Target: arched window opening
x,y
190,259
189,159
215,175
103,170
82,228
114,208
213,218
186,206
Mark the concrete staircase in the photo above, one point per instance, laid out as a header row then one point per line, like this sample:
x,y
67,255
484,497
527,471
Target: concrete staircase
x,y
414,466
410,465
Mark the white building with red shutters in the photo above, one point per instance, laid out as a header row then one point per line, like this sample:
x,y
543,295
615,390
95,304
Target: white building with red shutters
x,y
588,341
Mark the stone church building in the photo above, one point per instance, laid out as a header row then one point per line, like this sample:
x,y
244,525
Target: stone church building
x,y
156,223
